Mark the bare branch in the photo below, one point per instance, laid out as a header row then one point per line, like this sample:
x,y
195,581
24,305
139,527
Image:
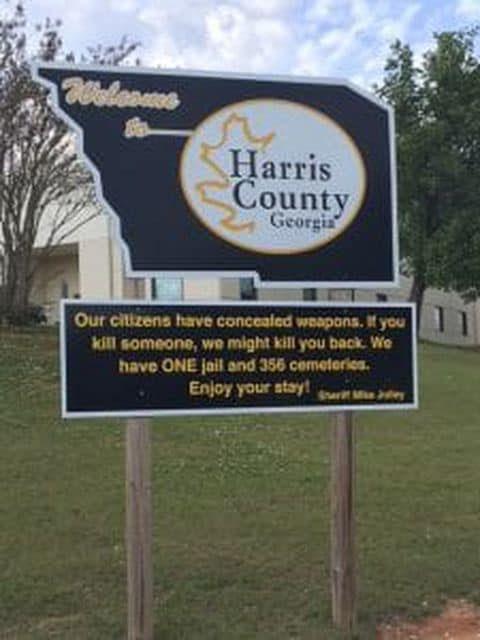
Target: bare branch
x,y
45,189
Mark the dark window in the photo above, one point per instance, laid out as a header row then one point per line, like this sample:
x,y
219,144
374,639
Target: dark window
x,y
439,319
310,295
382,297
464,323
247,289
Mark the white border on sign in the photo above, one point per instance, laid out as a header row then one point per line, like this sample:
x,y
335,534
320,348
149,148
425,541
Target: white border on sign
x,y
233,411
51,86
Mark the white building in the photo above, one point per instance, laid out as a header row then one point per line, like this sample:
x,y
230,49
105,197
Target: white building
x,y
89,266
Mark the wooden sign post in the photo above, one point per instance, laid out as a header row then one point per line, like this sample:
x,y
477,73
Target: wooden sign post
x,y
138,533
343,564
342,550
139,525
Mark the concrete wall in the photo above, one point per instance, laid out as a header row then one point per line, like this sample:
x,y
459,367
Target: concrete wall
x,y
100,269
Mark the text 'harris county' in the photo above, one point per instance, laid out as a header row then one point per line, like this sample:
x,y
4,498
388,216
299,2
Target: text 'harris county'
x,y
251,173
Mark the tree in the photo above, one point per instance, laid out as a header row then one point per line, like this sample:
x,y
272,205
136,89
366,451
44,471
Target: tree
x,y
42,182
437,109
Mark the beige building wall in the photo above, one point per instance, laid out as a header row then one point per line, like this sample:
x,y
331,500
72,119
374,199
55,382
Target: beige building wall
x,y
445,317
229,289
460,321
134,288
202,289
100,269
93,269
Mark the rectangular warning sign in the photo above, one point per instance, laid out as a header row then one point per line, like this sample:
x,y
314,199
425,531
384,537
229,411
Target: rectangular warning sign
x,y
147,359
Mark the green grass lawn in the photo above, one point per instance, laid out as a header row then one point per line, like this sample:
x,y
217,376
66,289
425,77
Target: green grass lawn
x,y
241,511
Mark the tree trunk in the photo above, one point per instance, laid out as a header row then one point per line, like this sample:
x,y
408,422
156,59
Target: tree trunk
x,y
417,293
17,289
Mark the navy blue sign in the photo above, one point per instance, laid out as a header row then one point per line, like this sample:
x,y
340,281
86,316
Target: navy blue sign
x,y
288,180
157,359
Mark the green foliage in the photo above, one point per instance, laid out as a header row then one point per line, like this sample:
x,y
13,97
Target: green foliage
x,y
437,108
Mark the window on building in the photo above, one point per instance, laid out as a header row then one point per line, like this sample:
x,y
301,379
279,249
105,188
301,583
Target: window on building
x,y
439,317
247,289
64,289
463,318
309,295
168,289
382,297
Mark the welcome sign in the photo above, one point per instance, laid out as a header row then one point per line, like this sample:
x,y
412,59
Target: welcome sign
x,y
249,188
290,181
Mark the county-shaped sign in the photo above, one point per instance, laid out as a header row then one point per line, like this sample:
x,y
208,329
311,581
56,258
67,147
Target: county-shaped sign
x,y
288,180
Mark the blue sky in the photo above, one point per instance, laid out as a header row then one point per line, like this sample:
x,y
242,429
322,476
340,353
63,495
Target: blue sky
x,y
343,38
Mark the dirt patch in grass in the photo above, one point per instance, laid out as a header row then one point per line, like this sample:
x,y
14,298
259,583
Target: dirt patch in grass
x,y
458,621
